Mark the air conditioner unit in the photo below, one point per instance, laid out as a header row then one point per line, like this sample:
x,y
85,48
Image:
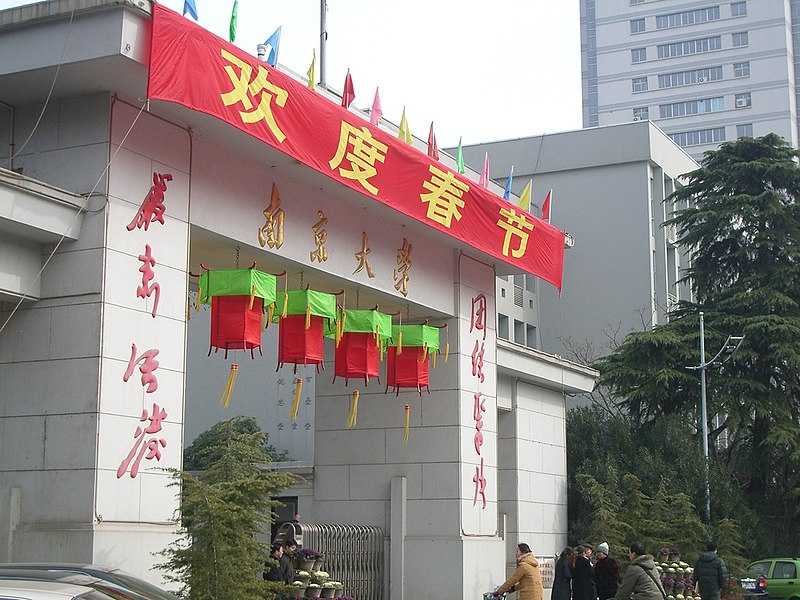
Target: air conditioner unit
x,y
637,118
701,80
742,102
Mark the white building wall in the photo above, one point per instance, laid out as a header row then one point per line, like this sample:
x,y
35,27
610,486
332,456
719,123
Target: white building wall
x,y
607,42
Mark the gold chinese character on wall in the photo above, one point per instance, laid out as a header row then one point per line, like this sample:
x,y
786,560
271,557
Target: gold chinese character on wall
x,y
320,237
271,233
403,267
361,256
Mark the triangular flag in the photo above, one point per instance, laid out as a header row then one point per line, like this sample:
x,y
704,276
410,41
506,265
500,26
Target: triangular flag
x,y
377,111
404,132
189,7
273,42
524,201
312,69
349,94
460,159
484,178
546,205
433,149
234,18
507,192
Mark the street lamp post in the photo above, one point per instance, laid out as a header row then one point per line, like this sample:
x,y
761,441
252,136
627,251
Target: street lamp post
x,y
730,346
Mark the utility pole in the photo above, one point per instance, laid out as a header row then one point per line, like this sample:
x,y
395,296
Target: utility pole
x,y
323,37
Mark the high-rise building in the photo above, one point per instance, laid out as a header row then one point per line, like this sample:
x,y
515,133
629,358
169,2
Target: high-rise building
x,y
705,72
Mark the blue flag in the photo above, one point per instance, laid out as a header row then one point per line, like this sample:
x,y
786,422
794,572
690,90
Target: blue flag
x,y
273,42
189,7
507,193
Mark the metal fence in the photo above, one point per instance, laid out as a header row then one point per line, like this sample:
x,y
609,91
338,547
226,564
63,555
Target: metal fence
x,y
353,554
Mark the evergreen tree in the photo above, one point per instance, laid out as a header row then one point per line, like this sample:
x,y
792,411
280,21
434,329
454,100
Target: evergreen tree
x,y
223,509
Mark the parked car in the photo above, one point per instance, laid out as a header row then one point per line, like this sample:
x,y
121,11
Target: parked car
x,y
781,575
47,590
111,590
116,576
754,586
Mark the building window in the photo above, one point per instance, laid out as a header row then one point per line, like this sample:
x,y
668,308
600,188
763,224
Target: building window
x,y
638,55
692,107
502,292
687,17
502,326
739,39
741,69
681,78
738,9
699,136
637,2
743,100
641,113
745,130
637,25
689,47
639,84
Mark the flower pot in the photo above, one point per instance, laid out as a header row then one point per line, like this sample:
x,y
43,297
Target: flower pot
x,y
674,558
307,565
317,565
313,592
337,593
327,592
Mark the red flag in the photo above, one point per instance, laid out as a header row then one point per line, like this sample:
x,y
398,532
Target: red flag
x,y
433,149
377,111
546,205
484,178
349,94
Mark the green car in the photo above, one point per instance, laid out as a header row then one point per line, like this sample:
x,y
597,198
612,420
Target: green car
x,y
783,582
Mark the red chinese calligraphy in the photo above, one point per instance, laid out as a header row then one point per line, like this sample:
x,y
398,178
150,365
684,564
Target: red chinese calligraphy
x,y
149,364
480,485
146,290
477,360
477,317
151,447
152,208
478,408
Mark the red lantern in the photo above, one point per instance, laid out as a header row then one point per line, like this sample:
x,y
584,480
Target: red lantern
x,y
302,317
363,335
409,353
234,325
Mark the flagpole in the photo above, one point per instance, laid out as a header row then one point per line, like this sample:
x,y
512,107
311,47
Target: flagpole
x,y
323,37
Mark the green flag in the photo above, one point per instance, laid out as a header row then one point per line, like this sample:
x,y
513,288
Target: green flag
x,y
234,14
460,159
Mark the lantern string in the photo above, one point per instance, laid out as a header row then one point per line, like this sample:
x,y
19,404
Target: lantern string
x,y
225,400
296,403
353,416
405,430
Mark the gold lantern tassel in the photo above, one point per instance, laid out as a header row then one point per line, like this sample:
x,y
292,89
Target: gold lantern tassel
x,y
353,416
296,403
308,317
270,314
405,430
433,360
225,400
424,353
400,342
252,296
285,305
446,343
197,304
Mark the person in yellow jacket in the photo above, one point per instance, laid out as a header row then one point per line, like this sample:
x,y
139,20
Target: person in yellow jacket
x,y
526,579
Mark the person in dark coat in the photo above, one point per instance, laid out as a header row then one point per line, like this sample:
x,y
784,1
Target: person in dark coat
x,y
606,573
287,568
562,580
710,573
274,573
583,577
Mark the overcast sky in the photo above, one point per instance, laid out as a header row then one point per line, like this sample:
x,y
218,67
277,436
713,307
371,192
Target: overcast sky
x,y
480,70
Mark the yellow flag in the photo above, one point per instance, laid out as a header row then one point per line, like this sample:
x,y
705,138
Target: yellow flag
x,y
404,133
524,201
311,69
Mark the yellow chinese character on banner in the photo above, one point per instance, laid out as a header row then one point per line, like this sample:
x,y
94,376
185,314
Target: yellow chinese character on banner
x,y
444,200
361,151
362,256
320,237
247,93
516,226
403,267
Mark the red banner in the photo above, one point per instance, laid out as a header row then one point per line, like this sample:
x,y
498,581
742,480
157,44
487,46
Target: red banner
x,y
201,71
